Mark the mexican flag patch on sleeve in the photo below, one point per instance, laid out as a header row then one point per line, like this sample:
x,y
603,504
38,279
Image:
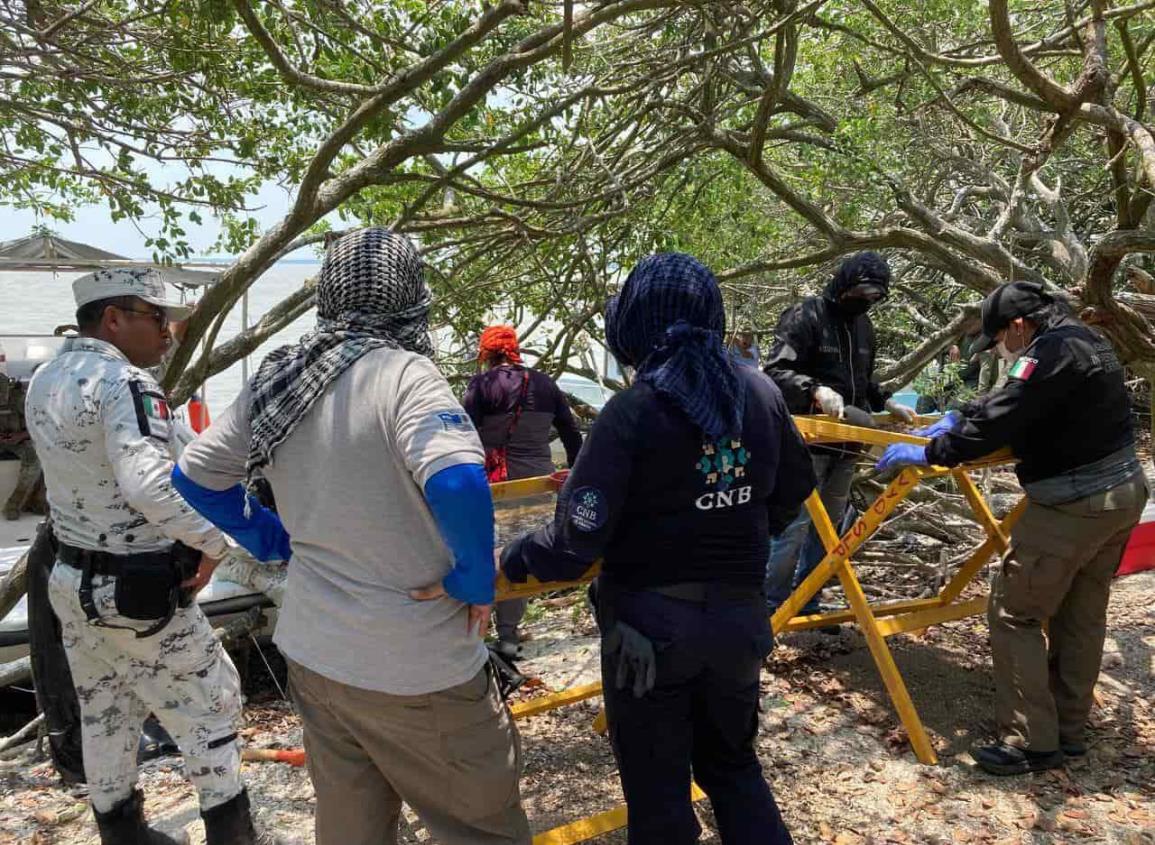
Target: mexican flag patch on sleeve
x,y
153,416
155,407
1023,368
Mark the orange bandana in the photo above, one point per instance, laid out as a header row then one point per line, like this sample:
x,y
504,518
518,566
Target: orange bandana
x,y
499,340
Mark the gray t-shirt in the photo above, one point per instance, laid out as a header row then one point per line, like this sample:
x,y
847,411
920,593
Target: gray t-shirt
x,y
348,483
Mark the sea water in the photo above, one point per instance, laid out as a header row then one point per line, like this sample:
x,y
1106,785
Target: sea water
x,y
36,303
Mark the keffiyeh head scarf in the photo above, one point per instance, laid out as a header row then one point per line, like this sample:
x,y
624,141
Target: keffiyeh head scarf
x,y
371,293
668,323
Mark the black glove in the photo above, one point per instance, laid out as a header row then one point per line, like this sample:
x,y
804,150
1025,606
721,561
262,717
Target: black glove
x,y
637,662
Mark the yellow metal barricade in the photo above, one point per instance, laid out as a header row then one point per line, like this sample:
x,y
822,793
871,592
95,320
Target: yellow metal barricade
x,y
877,621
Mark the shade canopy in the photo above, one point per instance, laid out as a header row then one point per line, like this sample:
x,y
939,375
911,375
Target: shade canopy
x,y
50,253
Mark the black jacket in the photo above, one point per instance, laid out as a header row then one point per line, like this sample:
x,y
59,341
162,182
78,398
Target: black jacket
x,y
662,506
1064,406
817,344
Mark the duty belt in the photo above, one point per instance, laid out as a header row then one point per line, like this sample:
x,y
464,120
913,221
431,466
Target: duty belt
x,y
1098,476
105,563
91,562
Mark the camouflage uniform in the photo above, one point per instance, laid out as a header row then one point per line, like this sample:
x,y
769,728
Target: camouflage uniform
x,y
104,436
240,567
266,577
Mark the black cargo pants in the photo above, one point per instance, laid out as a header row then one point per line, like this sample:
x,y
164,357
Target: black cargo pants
x,y
699,720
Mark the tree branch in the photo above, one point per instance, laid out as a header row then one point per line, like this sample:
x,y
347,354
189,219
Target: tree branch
x,y
804,207
1055,95
785,55
276,318
902,371
289,73
1135,68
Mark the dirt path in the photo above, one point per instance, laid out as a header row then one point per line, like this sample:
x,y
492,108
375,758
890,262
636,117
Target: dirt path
x,y
830,743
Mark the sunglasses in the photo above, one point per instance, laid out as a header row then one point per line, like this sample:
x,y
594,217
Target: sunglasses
x,y
158,315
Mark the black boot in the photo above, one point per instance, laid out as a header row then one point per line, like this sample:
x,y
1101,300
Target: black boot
x,y
124,824
1004,759
231,823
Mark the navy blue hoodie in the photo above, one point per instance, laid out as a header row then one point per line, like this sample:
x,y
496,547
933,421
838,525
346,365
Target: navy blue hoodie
x,y
661,504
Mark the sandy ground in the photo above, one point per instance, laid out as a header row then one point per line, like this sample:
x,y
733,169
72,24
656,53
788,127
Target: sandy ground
x,y
830,743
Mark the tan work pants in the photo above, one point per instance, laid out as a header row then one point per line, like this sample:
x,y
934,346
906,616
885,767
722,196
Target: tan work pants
x,y
454,756
1058,569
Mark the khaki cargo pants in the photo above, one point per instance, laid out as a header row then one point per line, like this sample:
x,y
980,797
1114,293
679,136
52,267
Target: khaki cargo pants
x,y
1058,569
454,756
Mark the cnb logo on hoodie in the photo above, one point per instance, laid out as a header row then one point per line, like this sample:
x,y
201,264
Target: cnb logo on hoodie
x,y
723,465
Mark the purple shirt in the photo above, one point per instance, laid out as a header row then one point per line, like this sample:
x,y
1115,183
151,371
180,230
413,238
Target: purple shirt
x,y
490,401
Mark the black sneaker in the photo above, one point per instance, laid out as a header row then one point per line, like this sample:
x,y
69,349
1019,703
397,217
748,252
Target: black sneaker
x,y
1002,759
507,649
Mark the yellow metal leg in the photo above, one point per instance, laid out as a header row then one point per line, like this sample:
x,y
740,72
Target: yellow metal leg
x,y
920,619
586,829
883,659
994,544
974,497
896,608
523,488
506,589
839,549
534,706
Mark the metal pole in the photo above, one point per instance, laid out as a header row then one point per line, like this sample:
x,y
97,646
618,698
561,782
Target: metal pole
x,y
245,328
205,386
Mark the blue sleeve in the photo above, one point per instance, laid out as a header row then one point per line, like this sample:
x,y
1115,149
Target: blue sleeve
x,y
461,503
261,534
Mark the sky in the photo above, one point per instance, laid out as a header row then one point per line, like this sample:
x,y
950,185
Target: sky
x,y
94,226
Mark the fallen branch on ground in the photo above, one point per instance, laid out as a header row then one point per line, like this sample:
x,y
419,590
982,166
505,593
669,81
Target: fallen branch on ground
x,y
15,672
25,734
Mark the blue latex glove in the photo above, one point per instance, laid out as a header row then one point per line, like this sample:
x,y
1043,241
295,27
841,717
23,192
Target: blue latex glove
x,y
949,420
262,535
461,503
900,454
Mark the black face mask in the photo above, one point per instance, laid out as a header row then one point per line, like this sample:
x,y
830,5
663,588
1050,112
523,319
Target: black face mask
x,y
854,305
